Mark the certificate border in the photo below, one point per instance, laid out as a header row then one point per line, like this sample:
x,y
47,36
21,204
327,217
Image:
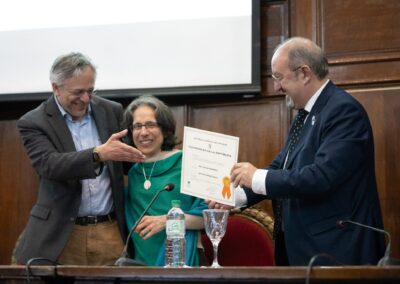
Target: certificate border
x,y
235,143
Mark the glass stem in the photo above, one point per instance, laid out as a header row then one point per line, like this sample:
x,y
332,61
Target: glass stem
x,y
215,248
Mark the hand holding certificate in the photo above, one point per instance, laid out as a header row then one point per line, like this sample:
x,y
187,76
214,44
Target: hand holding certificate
x,y
208,158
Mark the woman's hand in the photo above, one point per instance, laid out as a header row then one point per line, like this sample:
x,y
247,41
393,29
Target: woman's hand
x,y
151,225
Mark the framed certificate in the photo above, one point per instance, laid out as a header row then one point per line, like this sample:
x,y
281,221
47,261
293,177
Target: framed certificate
x,y
208,158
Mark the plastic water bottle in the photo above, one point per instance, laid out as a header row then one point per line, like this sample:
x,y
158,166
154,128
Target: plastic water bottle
x,y
175,230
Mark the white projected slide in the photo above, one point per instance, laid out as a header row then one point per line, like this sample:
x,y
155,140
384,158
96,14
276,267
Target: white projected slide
x,y
136,44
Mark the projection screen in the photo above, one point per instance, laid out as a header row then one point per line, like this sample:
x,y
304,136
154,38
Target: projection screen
x,y
164,47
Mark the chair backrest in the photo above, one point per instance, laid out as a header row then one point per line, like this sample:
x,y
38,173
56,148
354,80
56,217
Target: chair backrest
x,y
247,241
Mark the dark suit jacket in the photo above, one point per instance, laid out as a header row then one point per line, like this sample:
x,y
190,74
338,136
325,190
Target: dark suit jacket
x,y
330,177
61,168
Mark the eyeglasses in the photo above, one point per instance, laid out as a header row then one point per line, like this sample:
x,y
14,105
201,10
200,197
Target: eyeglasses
x,y
81,92
149,125
279,77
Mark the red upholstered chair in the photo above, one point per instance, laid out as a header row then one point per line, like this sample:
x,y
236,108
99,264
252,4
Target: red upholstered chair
x,y
247,241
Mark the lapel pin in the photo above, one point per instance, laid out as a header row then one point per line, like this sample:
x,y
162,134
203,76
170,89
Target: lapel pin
x,y
313,120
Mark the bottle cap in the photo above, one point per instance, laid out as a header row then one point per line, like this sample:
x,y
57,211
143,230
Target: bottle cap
x,y
176,203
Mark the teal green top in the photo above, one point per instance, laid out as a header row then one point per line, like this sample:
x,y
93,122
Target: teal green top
x,y
151,251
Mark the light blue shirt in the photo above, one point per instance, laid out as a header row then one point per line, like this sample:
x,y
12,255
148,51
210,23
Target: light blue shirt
x,y
96,193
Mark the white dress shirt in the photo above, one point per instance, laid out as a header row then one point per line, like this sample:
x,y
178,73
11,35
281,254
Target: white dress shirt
x,y
259,177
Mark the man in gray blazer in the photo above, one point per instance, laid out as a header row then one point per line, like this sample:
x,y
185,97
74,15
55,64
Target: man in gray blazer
x,y
73,141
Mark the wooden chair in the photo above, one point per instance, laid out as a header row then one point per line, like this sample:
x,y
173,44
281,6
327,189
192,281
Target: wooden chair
x,y
247,241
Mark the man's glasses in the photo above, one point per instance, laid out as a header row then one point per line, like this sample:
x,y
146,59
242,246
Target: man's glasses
x,y
279,77
81,92
149,125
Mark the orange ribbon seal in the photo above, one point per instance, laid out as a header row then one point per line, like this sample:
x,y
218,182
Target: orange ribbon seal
x,y
226,190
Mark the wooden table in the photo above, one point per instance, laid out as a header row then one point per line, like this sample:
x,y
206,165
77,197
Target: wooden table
x,y
154,275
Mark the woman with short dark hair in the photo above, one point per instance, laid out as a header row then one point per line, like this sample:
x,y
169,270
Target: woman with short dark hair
x,y
151,127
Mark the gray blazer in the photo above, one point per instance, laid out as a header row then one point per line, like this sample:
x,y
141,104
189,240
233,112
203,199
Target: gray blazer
x,y
61,168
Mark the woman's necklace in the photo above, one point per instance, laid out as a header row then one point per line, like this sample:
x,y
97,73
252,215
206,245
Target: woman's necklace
x,y
147,182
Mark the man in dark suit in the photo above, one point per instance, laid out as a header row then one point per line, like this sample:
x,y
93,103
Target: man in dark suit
x,y
325,172
73,141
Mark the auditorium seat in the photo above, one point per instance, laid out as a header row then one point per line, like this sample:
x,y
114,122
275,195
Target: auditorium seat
x,y
247,241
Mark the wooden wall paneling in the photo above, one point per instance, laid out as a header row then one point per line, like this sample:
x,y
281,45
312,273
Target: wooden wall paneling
x,y
383,107
366,73
301,18
180,117
18,188
347,29
361,40
360,27
274,30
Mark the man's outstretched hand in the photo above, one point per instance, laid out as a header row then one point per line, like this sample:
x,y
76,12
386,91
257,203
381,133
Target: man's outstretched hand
x,y
115,150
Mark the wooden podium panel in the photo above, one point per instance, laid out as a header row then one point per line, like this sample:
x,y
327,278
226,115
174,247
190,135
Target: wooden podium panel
x,y
155,275
19,274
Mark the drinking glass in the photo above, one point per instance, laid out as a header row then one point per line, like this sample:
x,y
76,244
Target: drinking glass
x,y
215,221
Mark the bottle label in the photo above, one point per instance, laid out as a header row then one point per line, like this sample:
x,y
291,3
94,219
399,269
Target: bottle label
x,y
175,227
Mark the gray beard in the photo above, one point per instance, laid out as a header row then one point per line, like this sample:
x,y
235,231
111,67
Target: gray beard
x,y
289,102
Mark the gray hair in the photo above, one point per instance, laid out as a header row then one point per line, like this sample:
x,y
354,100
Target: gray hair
x,y
304,51
68,66
164,117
